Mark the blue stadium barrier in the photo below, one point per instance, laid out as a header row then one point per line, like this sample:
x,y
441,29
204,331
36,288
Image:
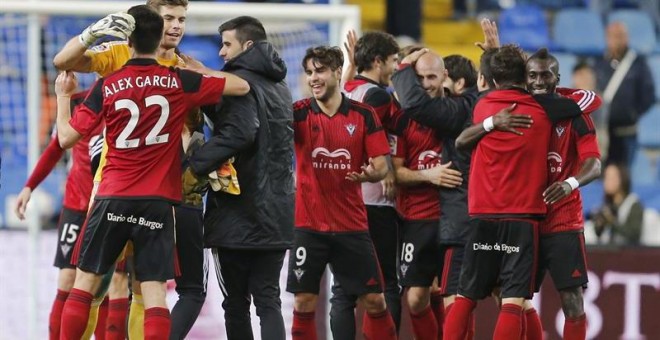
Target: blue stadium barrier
x,y
524,25
579,31
654,65
641,28
566,63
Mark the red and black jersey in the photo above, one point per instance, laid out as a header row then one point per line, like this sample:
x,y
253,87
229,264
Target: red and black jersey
x,y
144,106
421,148
509,172
571,142
327,149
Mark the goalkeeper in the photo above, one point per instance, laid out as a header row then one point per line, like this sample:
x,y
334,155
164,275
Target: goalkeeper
x,y
103,60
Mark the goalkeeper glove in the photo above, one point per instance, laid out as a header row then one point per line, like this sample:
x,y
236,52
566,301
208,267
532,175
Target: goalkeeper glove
x,y
119,25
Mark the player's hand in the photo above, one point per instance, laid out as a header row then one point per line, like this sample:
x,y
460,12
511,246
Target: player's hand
x,y
413,57
119,25
349,45
444,176
556,192
66,84
193,64
21,202
491,36
508,122
368,174
389,185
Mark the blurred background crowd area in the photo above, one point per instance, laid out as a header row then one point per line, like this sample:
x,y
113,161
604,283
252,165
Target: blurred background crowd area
x,y
590,38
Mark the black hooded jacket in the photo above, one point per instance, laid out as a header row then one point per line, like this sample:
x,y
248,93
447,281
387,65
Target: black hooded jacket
x,y
257,130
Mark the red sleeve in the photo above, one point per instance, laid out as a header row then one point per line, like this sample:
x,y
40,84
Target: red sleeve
x,y
399,147
588,101
586,140
46,163
85,120
201,90
376,144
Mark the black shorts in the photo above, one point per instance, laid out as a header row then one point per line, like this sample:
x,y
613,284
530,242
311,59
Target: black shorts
x,y
500,251
451,270
68,229
351,256
565,257
113,222
421,259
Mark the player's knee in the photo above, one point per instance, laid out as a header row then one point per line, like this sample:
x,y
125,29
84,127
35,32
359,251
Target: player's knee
x,y
373,303
572,302
66,279
305,302
418,298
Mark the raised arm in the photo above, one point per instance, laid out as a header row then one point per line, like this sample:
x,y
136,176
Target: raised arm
x,y
73,57
234,85
504,120
65,85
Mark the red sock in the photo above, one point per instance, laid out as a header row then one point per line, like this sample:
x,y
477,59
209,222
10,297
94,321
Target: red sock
x,y
115,328
75,314
379,326
437,305
470,328
457,317
55,317
523,328
575,328
157,323
424,324
304,326
99,331
534,327
509,323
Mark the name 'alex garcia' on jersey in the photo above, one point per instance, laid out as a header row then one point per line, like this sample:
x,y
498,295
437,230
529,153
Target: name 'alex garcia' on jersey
x,y
129,82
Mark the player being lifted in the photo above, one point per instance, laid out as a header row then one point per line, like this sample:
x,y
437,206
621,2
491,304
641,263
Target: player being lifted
x,y
144,106
334,138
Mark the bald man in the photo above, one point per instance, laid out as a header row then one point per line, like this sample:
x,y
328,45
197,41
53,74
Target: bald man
x,y
419,173
626,100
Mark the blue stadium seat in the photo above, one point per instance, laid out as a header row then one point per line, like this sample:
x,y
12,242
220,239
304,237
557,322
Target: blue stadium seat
x,y
641,29
654,64
566,63
579,31
649,134
203,49
555,4
524,25
642,170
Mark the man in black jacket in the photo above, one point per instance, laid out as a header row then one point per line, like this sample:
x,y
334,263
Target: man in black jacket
x,y
250,232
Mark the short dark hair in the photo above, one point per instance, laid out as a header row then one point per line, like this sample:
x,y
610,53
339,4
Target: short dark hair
x,y
148,31
459,67
247,28
329,56
485,66
374,45
544,55
508,65
582,64
156,4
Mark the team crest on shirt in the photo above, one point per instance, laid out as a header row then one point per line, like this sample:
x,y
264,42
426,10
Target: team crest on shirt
x,y
350,128
65,248
299,272
560,130
404,269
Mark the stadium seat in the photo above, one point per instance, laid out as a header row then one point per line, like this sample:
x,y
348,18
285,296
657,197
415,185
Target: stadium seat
x,y
649,136
654,64
554,4
566,63
524,25
579,31
642,169
641,29
202,49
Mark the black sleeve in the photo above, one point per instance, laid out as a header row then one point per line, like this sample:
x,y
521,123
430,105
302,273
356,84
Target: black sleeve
x,y
583,125
235,130
558,108
447,115
94,99
190,81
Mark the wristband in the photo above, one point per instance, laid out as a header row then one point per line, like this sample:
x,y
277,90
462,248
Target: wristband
x,y
573,183
488,124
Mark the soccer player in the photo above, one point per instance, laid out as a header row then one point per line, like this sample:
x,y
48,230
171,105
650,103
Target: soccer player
x,y
418,151
505,198
250,233
573,161
78,189
375,57
143,106
104,59
340,144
